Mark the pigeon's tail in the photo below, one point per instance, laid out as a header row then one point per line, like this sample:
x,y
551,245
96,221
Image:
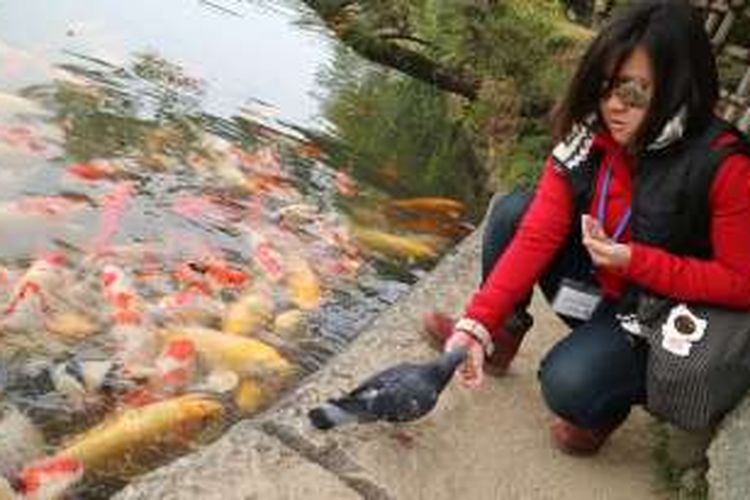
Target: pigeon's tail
x,y
328,416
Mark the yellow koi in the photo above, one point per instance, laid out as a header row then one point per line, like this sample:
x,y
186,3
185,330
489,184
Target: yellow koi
x,y
410,247
120,446
248,314
290,323
249,396
245,356
304,287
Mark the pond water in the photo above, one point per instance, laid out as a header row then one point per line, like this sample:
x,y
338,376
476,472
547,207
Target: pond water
x,y
202,202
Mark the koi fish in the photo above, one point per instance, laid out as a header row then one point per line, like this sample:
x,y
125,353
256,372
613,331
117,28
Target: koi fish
x,y
248,314
135,343
444,206
175,367
309,150
304,287
245,356
93,170
291,323
49,478
120,293
395,245
221,273
267,258
121,445
191,305
113,207
345,184
249,396
29,298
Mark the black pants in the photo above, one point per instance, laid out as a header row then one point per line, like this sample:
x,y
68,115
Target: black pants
x,y
596,373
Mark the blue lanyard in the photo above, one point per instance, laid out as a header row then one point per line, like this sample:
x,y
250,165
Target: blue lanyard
x,y
601,208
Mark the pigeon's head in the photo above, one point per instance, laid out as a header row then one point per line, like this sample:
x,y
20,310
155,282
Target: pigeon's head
x,y
447,363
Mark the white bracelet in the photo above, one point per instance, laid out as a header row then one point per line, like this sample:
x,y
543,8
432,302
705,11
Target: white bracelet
x,y
479,332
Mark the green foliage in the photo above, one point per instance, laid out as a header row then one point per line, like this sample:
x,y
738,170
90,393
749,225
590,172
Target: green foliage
x,y
522,47
399,132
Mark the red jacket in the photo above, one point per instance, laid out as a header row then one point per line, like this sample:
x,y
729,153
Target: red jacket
x,y
723,280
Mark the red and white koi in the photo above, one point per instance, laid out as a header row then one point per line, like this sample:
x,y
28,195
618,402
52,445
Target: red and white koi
x,y
135,343
175,367
49,478
113,207
191,305
30,291
267,258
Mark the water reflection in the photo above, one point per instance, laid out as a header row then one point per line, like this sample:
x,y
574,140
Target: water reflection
x,y
166,268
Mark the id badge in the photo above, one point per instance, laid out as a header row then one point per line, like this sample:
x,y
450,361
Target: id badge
x,y
576,299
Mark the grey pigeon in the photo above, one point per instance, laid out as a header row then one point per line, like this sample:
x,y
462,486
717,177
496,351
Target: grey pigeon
x,y
402,393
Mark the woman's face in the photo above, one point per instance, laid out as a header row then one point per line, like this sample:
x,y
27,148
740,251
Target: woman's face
x,y
626,97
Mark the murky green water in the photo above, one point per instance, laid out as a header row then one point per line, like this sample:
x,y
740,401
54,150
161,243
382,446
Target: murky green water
x,y
201,203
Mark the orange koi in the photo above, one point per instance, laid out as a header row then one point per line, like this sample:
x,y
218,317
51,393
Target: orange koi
x,y
222,273
309,150
92,171
50,477
444,206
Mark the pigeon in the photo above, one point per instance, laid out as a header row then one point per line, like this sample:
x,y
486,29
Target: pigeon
x,y
401,393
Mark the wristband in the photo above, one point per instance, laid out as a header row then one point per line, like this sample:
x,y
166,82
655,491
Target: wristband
x,y
476,330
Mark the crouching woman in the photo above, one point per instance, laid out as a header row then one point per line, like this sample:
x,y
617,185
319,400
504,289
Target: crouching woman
x,y
647,194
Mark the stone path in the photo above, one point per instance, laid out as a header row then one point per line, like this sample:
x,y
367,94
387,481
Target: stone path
x,y
488,444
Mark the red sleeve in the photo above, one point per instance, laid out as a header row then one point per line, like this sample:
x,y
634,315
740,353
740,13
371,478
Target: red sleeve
x,y
541,232
725,279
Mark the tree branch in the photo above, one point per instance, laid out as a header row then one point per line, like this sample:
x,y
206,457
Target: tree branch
x,y
389,54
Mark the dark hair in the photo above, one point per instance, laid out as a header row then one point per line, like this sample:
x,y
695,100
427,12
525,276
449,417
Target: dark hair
x,y
682,61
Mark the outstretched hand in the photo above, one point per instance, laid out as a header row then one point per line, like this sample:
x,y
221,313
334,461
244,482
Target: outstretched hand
x,y
604,251
470,373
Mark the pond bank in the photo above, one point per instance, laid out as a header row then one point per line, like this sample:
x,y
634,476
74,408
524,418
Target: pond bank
x,y
487,445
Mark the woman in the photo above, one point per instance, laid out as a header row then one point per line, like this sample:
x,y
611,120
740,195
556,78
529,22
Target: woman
x,y
647,191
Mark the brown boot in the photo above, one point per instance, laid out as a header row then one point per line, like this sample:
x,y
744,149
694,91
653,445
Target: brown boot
x,y
579,441
438,327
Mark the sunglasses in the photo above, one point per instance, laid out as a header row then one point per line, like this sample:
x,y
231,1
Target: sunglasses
x,y
631,92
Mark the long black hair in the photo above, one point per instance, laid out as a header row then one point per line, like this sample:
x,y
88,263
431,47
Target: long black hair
x,y
683,65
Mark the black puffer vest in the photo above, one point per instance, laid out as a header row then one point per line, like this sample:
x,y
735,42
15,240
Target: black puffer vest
x,y
670,193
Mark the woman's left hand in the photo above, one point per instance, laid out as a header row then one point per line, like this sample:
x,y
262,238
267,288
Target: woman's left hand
x,y
604,251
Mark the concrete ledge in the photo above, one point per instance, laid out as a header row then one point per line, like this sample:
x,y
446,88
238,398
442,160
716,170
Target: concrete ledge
x,y
729,456
488,444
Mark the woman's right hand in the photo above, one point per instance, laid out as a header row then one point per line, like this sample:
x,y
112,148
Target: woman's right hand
x,y
470,373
